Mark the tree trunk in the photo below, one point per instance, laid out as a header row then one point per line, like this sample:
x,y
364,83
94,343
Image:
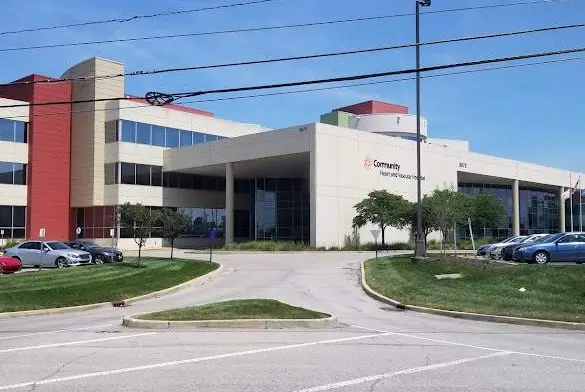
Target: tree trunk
x,y
139,253
383,229
172,247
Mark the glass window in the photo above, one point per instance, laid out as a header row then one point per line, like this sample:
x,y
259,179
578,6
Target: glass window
x,y
128,173
20,174
20,132
5,216
172,140
186,138
143,133
111,131
128,131
158,136
6,173
185,181
142,174
6,130
210,138
111,173
156,175
18,233
198,138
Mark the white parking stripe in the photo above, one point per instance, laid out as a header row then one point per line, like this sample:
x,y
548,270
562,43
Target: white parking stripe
x,y
9,350
52,332
419,369
470,345
185,361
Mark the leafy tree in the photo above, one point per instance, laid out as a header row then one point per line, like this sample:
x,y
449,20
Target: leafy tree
x,y
449,207
141,220
174,223
487,211
429,221
383,209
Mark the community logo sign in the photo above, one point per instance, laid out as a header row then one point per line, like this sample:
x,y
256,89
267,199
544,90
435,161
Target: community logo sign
x,y
387,169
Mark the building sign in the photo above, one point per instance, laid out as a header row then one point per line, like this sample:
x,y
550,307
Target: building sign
x,y
388,169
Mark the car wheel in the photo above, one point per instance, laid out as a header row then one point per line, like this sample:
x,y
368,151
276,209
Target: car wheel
x,y
541,257
61,262
99,259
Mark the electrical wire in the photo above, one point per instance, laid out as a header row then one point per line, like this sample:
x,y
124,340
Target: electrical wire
x,y
487,61
303,57
264,28
171,97
342,86
135,17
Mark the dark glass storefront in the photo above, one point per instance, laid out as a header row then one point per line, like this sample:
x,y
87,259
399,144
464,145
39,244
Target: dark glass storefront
x,y
281,209
539,209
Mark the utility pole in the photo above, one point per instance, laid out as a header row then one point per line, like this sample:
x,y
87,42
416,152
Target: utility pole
x,y
419,249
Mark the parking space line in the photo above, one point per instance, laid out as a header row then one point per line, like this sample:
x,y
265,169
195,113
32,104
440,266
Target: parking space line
x,y
9,350
52,332
377,377
470,345
187,361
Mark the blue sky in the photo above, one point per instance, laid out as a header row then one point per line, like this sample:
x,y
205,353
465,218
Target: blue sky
x,y
531,113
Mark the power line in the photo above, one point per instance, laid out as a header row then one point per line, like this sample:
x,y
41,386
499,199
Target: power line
x,y
135,17
176,96
157,98
266,28
303,57
342,86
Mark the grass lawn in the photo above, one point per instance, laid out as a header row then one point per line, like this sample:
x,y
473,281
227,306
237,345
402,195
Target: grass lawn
x,y
552,292
92,284
237,309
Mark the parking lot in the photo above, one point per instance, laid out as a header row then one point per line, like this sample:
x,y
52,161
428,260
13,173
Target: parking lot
x,y
374,348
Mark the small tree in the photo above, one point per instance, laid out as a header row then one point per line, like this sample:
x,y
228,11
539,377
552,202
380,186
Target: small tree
x,y
384,210
140,220
487,211
429,215
174,223
449,207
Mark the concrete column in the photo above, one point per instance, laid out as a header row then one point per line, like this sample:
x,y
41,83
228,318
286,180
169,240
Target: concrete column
x,y
229,203
515,208
561,210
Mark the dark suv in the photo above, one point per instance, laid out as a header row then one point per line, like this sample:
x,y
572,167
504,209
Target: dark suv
x,y
99,254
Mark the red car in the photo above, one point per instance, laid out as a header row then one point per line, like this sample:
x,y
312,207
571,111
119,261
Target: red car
x,y
9,265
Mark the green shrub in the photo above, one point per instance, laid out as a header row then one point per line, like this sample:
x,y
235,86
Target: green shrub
x,y
333,248
394,246
9,244
433,245
351,242
268,246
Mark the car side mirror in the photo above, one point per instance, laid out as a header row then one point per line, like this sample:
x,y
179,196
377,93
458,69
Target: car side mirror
x,y
46,250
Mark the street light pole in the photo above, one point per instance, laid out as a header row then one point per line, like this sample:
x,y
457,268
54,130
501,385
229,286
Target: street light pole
x,y
419,249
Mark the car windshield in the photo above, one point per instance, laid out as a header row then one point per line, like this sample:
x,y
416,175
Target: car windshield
x,y
90,244
509,239
553,237
57,245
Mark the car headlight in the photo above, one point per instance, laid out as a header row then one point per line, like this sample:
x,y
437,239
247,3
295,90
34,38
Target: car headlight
x,y
73,255
107,252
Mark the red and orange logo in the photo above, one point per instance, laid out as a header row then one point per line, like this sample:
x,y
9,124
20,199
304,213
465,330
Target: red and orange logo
x,y
368,163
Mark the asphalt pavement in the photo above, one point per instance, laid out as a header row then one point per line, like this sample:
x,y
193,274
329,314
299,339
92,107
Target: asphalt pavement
x,y
376,348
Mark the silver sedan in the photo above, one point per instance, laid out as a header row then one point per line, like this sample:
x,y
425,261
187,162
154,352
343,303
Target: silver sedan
x,y
53,254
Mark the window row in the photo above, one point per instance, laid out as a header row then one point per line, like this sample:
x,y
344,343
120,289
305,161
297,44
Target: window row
x,y
154,135
12,173
12,221
151,175
13,131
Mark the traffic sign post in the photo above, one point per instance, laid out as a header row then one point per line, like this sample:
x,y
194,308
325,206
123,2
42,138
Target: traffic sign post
x,y
212,236
112,233
376,234
2,233
42,233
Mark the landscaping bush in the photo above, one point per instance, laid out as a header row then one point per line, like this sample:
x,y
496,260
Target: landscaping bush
x,y
433,245
351,242
268,246
9,244
370,246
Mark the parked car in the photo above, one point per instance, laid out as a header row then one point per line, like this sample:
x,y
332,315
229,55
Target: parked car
x,y
556,247
99,254
507,251
496,250
9,265
53,254
484,250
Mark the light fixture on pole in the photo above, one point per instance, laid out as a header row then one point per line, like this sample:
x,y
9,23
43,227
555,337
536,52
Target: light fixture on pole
x,y
419,249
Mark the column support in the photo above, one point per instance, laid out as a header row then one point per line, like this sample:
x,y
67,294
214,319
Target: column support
x,y
562,227
229,203
515,208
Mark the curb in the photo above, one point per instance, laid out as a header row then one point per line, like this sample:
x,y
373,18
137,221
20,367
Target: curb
x,y
324,323
70,309
467,315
